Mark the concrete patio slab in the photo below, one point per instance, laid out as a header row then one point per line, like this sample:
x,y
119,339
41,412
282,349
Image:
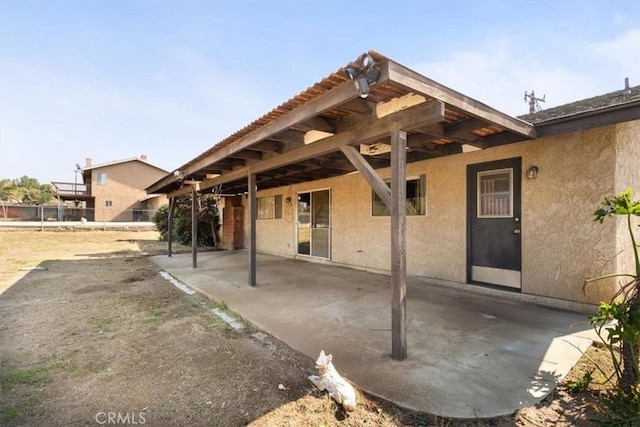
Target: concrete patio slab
x,y
469,355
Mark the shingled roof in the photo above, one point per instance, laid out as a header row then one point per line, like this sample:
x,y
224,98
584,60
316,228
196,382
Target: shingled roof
x,y
589,105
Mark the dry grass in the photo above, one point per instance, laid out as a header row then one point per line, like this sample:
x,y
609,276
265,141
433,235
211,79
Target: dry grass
x,y
100,330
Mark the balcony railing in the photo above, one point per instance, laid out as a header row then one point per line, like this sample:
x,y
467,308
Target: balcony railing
x,y
70,189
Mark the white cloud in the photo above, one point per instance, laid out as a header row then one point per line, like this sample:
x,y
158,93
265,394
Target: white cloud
x,y
499,70
621,55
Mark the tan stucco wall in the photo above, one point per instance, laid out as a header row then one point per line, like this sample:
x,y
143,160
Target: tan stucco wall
x,y
126,183
627,176
561,244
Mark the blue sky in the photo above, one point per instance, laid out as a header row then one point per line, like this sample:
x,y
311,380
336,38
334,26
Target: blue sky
x,y
112,80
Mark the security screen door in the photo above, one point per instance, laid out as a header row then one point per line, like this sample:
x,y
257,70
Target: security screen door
x,y
494,236
314,223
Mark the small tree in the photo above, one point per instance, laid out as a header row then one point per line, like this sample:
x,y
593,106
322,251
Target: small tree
x,y
208,221
624,311
25,189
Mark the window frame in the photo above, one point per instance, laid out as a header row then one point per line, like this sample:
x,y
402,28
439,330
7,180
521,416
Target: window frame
x,y
267,213
422,182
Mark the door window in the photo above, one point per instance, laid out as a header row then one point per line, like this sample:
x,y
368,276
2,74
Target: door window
x,y
495,194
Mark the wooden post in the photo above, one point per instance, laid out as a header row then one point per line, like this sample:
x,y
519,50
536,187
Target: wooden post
x,y
398,244
172,204
252,228
194,226
368,173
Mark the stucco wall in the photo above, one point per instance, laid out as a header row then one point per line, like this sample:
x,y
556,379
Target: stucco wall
x,y
561,244
627,176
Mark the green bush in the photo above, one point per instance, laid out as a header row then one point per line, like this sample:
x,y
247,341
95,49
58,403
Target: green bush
x,y
618,324
208,221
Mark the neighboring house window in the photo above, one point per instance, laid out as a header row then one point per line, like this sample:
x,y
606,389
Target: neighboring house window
x,y
108,203
270,207
416,198
102,178
495,194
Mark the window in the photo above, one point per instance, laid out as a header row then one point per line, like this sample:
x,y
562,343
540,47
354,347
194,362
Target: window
x,y
270,207
101,178
416,198
108,203
495,194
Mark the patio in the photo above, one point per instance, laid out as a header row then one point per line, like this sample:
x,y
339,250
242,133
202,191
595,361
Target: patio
x,y
469,355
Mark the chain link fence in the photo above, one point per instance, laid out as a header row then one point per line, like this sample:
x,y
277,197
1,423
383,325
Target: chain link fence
x,y
61,213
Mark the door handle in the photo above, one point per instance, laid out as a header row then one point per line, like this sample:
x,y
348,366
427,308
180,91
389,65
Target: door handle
x,y
516,231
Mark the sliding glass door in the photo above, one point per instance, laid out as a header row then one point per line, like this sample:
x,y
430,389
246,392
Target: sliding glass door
x,y
314,223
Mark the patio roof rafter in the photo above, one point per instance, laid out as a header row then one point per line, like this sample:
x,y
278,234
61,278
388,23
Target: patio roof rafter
x,y
311,109
369,128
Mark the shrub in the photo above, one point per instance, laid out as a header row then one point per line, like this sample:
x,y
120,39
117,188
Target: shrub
x,y
208,218
620,319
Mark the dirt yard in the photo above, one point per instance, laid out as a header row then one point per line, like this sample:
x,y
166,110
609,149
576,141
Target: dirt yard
x,y
96,336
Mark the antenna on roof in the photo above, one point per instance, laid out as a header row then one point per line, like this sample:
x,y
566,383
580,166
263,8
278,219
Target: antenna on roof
x,y
533,101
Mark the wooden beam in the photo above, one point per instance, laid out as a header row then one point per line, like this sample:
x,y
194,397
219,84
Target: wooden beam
x,y
289,136
181,192
340,165
172,205
359,106
423,85
436,130
194,227
247,155
267,147
319,123
369,129
195,184
464,126
474,142
398,245
367,172
453,148
424,153
431,133
422,139
251,185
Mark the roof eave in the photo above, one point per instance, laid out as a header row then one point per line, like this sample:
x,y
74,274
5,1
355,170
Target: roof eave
x,y
586,120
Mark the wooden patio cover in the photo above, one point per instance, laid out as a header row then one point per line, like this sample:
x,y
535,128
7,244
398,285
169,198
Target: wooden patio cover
x,y
329,130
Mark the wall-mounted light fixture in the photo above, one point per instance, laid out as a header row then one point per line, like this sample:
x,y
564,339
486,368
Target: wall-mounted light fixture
x,y
366,74
532,172
287,200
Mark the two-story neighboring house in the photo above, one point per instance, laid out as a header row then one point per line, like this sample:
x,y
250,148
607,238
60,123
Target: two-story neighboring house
x,y
113,191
